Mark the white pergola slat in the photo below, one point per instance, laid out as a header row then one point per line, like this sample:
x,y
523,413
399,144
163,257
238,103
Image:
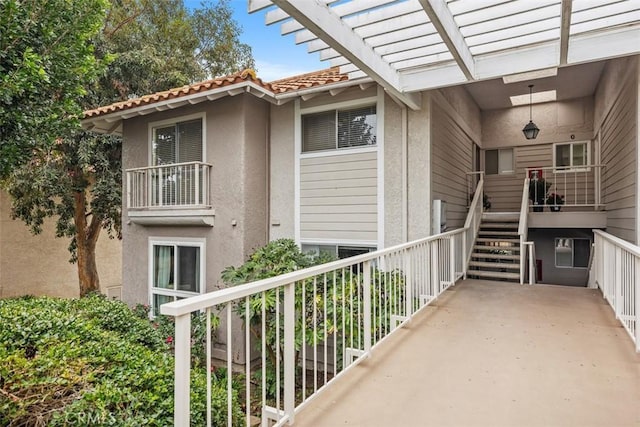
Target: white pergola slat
x,y
413,45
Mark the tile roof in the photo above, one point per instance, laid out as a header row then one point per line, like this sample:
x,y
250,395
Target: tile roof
x,y
304,81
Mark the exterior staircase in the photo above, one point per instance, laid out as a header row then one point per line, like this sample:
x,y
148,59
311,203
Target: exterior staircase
x,y
496,253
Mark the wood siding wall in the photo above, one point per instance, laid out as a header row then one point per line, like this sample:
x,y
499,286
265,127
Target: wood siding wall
x,y
618,139
339,197
451,160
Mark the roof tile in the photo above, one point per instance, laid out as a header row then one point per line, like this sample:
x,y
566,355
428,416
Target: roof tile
x,y
304,81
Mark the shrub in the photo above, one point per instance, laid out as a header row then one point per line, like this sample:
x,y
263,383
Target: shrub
x,y
91,361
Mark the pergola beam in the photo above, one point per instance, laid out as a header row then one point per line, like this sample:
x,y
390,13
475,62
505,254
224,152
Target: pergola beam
x,y
565,26
328,27
443,21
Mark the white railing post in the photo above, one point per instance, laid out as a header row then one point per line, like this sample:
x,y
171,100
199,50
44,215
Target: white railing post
x,y
617,290
197,174
182,385
452,256
435,261
408,283
289,350
636,292
464,254
366,311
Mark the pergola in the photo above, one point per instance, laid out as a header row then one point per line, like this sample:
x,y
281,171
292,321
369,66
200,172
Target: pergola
x,y
412,45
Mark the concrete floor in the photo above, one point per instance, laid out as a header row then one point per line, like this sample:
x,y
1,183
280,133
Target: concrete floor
x,y
494,354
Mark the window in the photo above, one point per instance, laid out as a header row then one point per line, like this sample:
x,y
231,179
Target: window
x,y
177,271
571,155
498,162
572,253
177,142
337,251
330,130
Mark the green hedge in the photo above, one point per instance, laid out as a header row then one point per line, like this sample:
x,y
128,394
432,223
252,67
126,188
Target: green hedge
x,y
91,361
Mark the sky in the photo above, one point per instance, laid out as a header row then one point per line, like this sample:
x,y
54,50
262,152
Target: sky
x,y
276,56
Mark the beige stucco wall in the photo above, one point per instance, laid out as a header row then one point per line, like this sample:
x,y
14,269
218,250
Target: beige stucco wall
x,y
236,147
281,172
39,265
394,121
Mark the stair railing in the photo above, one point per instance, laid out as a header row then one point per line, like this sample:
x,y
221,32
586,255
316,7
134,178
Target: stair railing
x,y
531,256
472,224
523,227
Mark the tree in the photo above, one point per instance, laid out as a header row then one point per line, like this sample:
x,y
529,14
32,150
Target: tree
x,y
149,46
46,61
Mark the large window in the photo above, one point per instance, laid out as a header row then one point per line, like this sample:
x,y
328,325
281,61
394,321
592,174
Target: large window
x,y
177,142
176,271
571,155
334,129
572,253
498,162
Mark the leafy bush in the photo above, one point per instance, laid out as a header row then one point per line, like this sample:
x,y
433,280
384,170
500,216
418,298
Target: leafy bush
x,y
91,361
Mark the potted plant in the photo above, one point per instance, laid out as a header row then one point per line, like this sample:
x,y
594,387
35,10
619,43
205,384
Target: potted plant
x,y
486,201
554,201
538,188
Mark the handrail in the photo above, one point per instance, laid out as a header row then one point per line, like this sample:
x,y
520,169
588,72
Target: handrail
x,y
144,168
472,222
522,224
617,273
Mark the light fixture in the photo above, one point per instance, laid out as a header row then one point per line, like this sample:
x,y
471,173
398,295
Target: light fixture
x,y
530,130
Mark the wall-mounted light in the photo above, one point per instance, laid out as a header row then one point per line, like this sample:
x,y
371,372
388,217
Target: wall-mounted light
x,y
530,130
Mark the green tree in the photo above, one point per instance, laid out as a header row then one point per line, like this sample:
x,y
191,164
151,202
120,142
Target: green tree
x,y
148,46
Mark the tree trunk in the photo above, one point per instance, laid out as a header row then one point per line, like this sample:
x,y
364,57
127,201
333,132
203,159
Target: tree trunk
x,y
86,239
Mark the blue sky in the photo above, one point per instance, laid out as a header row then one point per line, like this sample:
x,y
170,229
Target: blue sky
x,y
276,56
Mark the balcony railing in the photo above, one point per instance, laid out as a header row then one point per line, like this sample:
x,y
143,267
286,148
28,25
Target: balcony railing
x,y
558,187
179,184
313,325
617,271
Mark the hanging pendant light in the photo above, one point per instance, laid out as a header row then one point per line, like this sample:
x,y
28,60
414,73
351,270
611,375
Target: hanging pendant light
x,y
530,130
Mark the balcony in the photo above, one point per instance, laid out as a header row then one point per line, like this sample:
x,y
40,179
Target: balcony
x,y
564,197
175,194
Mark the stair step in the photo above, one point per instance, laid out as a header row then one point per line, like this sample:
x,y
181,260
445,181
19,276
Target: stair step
x,y
501,217
496,248
490,240
486,255
499,226
494,274
494,265
497,233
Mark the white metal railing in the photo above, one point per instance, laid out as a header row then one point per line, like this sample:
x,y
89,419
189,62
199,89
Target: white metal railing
x,y
574,187
617,273
472,223
339,310
179,184
523,226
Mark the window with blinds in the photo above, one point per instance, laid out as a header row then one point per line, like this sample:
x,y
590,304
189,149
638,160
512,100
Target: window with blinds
x,y
178,143
334,129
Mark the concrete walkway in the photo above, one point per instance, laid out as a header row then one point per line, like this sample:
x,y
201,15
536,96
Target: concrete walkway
x,y
494,354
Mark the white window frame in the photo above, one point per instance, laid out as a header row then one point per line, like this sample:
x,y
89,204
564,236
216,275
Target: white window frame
x,y
338,106
173,121
372,246
572,248
511,171
571,167
175,242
